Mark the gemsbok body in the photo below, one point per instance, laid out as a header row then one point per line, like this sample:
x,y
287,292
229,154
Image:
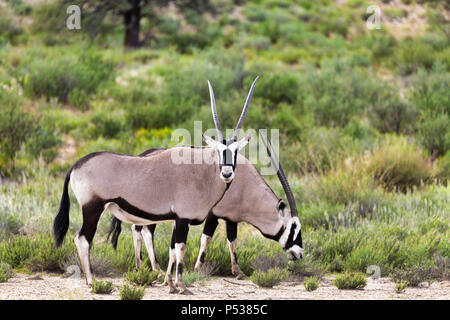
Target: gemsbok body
x,y
249,199
148,190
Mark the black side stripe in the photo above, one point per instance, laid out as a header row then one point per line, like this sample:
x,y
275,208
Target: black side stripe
x,y
129,208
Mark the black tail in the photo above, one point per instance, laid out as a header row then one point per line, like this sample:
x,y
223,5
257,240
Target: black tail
x,y
114,230
61,222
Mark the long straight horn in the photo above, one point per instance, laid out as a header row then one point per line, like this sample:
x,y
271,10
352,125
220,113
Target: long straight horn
x,y
214,113
280,173
244,111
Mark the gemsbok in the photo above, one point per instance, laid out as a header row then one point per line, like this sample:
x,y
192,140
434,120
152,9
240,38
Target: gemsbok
x,y
238,204
146,190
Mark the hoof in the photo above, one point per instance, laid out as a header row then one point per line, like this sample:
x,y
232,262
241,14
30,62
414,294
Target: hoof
x,y
240,276
173,290
186,292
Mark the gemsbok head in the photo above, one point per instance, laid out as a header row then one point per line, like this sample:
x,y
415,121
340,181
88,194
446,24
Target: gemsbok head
x,y
292,241
227,150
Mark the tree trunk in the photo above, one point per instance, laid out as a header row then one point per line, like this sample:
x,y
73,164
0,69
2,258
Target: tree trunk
x,y
132,21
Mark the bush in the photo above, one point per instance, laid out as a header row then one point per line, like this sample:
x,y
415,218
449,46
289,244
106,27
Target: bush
x,y
415,275
35,254
66,77
350,281
142,277
9,28
412,54
269,278
102,287
399,165
311,283
6,272
129,292
16,126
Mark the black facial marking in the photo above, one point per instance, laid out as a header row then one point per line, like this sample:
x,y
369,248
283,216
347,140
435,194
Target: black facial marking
x,y
275,237
290,240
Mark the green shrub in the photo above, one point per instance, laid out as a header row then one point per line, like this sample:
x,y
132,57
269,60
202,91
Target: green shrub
x,y
412,54
142,277
16,126
434,134
6,272
415,275
9,27
130,292
102,287
35,254
65,76
311,283
350,281
399,165
269,278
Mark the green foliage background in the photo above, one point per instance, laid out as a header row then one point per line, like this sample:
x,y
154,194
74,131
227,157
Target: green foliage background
x,y
363,116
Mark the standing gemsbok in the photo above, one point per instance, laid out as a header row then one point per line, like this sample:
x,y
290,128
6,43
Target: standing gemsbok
x,y
248,199
146,190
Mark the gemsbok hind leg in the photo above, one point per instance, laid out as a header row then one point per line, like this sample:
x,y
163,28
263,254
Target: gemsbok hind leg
x,y
92,212
231,239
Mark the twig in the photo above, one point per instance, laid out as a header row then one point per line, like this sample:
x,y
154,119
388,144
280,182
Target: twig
x,y
239,284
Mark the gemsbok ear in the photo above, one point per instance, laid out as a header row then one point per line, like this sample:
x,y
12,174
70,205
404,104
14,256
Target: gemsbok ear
x,y
243,142
209,141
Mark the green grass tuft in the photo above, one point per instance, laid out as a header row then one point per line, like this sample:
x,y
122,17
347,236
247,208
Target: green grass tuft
x,y
5,272
142,277
311,283
130,292
349,280
269,278
102,287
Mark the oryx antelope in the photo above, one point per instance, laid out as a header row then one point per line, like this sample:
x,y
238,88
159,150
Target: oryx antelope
x,y
237,205
146,190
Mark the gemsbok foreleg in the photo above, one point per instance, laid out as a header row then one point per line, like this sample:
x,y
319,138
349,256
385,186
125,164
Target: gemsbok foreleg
x,y
172,260
137,241
208,231
92,212
147,233
231,239
181,233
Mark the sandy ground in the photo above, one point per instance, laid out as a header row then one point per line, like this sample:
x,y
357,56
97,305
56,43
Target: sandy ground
x,y
56,287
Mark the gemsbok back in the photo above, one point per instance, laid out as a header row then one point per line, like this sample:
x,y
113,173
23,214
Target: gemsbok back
x,y
146,190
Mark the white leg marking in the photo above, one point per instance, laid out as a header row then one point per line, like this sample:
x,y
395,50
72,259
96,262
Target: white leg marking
x,y
203,245
137,239
83,251
148,240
